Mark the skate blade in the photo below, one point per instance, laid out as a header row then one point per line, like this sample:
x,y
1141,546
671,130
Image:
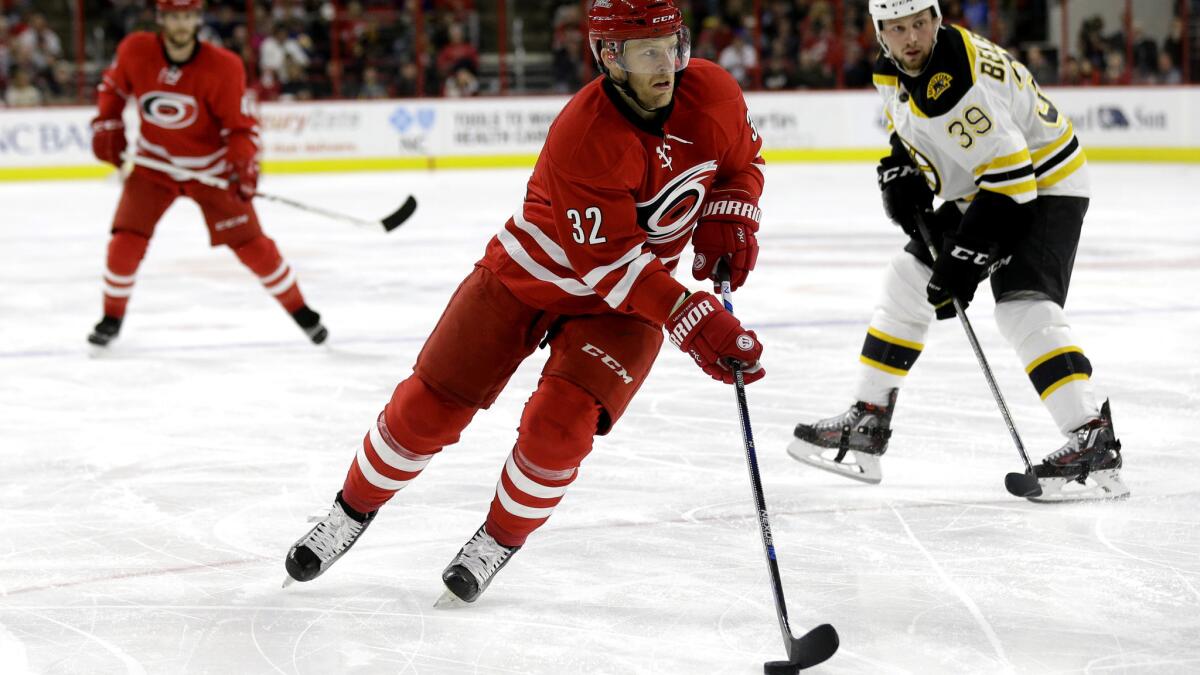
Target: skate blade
x,y
449,600
1101,485
865,467
98,351
287,581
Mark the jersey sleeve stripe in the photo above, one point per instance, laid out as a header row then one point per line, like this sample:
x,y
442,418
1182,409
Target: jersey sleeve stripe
x,y
594,277
1022,192
885,80
1051,164
1063,171
535,269
1017,158
547,244
619,292
1006,177
1042,153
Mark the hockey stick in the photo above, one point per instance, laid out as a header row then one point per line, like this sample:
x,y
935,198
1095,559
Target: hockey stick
x,y
389,223
1018,484
820,643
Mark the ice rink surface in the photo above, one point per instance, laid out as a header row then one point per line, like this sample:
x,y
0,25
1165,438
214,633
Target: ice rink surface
x,y
149,496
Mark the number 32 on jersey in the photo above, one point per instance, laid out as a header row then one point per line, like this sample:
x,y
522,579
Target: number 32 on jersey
x,y
578,232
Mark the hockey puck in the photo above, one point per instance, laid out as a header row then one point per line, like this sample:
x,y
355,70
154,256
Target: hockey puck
x,y
781,668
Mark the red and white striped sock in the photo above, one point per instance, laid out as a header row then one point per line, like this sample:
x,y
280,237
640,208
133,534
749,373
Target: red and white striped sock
x,y
415,425
526,495
263,258
125,253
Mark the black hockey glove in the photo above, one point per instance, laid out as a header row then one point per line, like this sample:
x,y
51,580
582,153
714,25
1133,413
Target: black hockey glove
x,y
905,192
962,263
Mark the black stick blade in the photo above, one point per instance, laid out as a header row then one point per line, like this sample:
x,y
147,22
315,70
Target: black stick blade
x,y
1022,485
815,646
402,214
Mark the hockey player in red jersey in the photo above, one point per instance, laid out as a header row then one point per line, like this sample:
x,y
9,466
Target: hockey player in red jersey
x,y
195,115
635,162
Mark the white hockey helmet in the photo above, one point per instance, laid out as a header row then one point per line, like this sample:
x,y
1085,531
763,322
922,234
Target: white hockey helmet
x,y
882,10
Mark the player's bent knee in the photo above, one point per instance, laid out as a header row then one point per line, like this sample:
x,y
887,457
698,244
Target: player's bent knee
x,y
904,290
423,420
1020,319
558,425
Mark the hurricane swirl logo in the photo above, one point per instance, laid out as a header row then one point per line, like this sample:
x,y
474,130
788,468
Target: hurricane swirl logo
x,y
168,110
671,213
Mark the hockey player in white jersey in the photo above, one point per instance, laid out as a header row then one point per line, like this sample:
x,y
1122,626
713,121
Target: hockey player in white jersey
x,y
970,126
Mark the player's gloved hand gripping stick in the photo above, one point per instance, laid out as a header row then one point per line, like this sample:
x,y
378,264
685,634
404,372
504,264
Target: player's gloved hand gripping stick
x,y
389,223
820,643
1018,484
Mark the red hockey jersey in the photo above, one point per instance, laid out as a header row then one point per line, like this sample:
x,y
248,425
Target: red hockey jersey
x,y
613,198
195,114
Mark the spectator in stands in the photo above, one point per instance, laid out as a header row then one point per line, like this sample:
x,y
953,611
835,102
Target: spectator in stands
x,y
1166,73
1145,54
1173,44
1115,70
61,84
371,86
778,72
739,58
279,47
21,93
1039,66
6,50
43,44
295,86
567,49
812,73
408,80
457,54
858,65
1071,73
462,83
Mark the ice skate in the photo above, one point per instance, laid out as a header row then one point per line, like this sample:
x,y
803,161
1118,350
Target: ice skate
x,y
849,444
473,569
310,322
333,535
1088,466
105,332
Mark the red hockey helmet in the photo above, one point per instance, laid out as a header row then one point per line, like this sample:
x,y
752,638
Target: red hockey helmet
x,y
612,23
179,5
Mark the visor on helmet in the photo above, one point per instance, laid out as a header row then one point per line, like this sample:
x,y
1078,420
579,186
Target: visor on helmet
x,y
668,53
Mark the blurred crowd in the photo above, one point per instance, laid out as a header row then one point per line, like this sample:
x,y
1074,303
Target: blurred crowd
x,y
296,50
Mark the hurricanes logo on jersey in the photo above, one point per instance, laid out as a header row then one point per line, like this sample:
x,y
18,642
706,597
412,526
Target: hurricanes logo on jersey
x,y
671,213
938,85
168,110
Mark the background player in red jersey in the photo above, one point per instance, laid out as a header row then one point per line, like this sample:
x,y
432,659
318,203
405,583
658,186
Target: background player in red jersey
x,y
194,115
629,167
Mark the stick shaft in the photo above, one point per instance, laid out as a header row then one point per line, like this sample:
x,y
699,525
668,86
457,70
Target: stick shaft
x,y
223,184
760,502
923,227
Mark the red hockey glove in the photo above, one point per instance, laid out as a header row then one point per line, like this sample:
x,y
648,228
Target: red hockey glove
x,y
108,140
726,231
703,328
243,178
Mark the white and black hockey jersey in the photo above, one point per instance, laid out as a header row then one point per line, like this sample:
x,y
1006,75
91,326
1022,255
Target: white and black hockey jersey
x,y
975,119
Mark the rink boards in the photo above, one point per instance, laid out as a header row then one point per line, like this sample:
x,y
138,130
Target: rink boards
x,y
1114,123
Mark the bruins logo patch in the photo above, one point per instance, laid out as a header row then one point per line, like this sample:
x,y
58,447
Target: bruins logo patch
x,y
938,85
